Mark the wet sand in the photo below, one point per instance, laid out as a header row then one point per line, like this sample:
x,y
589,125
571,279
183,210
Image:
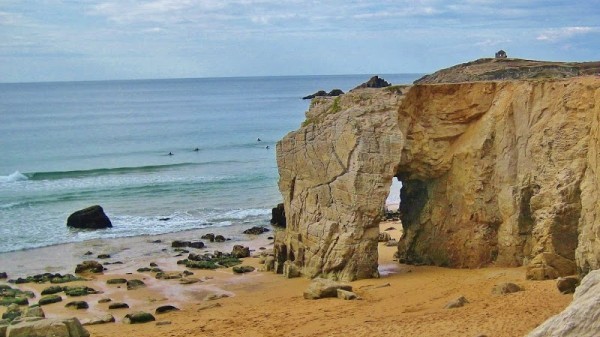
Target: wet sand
x,y
404,301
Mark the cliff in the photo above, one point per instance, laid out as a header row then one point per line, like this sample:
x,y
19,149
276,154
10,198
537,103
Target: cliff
x,y
492,173
488,69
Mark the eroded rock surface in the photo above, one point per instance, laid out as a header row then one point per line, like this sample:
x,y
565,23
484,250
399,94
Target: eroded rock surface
x,y
492,172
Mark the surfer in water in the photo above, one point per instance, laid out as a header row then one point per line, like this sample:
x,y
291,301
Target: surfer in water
x,y
196,149
170,153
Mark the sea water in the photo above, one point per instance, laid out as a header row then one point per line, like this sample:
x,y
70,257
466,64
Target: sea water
x,y
68,145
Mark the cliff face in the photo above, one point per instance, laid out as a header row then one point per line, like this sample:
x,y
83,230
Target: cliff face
x,y
492,172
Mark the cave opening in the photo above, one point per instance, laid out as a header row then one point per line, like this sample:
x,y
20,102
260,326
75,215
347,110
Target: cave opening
x,y
390,229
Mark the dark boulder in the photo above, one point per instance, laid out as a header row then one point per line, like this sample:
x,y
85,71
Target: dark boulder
x,y
319,93
89,218
3,275
52,290
374,82
49,299
89,267
567,285
135,284
164,309
118,305
240,251
220,238
256,230
197,244
180,244
138,317
278,216
77,305
242,269
335,92
208,236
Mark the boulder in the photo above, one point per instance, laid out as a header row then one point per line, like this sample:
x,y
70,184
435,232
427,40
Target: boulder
x,y
506,288
77,305
138,317
335,92
196,244
89,267
135,284
165,308
12,312
319,93
3,275
243,269
55,327
49,299
116,281
384,237
106,318
220,238
278,216
581,318
180,244
457,303
322,288
374,82
567,285
240,251
92,217
103,256
52,290
256,230
208,236
548,266
33,311
79,291
118,305
104,300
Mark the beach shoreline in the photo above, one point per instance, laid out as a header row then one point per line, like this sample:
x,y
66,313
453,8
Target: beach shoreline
x,y
404,301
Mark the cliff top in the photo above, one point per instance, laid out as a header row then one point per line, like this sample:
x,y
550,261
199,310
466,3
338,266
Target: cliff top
x,y
494,69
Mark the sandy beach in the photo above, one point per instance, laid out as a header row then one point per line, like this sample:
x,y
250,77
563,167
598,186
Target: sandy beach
x,y
404,301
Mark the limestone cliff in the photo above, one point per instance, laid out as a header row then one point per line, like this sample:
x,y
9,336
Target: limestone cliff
x,y
492,172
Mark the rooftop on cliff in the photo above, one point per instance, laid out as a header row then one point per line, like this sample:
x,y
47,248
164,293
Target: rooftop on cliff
x,y
493,69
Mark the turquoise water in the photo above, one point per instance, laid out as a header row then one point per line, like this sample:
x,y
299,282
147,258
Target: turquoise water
x,y
68,145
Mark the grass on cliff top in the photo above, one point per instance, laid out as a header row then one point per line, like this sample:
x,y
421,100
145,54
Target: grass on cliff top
x,y
334,108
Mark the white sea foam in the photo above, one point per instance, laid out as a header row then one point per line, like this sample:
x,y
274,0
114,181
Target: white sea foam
x,y
15,176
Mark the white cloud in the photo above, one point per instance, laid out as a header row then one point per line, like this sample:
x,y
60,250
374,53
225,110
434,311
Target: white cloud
x,y
553,35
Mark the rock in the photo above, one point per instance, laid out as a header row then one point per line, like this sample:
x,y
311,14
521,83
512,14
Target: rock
x,y
319,93
52,290
165,308
546,266
278,216
135,284
77,305
322,288
567,285
256,230
118,305
89,267
189,280
33,311
506,288
153,264
346,295
104,300
180,244
103,256
220,238
291,270
138,317
163,323
208,306
92,217
12,312
213,297
374,82
49,299
55,327
470,196
106,318
243,269
208,236
3,275
196,244
384,237
79,291
457,303
88,253
116,281
335,92
391,243
172,275
240,252
580,318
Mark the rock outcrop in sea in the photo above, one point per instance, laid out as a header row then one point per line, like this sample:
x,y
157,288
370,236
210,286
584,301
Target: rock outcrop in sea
x,y
92,217
493,172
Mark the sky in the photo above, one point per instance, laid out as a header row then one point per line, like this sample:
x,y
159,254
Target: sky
x,y
66,40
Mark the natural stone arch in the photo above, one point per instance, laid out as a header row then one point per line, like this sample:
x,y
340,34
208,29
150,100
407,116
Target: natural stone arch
x,y
473,159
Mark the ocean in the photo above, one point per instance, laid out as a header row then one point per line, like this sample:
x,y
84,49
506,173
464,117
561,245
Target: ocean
x,y
65,146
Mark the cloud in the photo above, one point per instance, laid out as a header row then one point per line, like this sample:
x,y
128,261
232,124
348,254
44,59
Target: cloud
x,y
553,35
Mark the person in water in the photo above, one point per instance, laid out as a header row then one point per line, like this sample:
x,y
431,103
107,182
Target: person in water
x,y
196,149
258,140
170,153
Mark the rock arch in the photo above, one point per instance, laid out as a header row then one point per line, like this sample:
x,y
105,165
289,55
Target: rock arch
x,y
492,172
